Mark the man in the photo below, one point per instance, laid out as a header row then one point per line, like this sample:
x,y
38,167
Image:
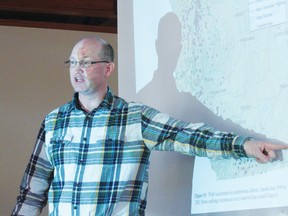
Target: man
x,y
92,154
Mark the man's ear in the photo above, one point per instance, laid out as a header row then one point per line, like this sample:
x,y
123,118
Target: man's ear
x,y
110,68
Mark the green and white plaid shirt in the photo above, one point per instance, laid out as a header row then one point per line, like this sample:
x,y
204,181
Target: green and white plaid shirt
x,y
97,163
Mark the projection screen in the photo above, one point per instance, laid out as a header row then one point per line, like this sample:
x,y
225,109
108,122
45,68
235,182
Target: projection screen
x,y
223,63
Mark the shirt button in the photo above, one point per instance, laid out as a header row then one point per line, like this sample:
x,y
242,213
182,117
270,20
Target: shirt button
x,y
75,207
84,139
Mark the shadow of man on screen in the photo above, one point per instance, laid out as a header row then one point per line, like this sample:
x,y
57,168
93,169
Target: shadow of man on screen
x,y
162,94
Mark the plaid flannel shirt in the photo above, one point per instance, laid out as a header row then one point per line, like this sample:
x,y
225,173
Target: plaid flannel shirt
x,y
97,163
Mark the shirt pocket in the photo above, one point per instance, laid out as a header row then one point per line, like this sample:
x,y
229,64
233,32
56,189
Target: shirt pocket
x,y
61,149
62,140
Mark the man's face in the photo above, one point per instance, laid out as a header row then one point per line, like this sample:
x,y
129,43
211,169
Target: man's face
x,y
90,80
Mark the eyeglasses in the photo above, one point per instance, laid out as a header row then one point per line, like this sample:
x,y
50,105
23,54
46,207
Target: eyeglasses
x,y
83,63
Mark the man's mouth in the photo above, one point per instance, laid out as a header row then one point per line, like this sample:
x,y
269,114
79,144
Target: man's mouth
x,y
79,79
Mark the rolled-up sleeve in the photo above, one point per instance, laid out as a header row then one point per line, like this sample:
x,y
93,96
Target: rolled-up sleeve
x,y
36,180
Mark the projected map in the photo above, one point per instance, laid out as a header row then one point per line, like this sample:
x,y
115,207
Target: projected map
x,y
232,70
237,54
234,60
235,63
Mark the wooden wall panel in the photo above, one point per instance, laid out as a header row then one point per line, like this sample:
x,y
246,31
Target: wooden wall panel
x,y
88,15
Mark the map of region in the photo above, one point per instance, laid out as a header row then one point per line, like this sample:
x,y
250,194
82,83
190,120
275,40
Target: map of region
x,y
234,60
232,168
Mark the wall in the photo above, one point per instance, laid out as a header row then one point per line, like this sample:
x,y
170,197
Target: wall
x,y
33,81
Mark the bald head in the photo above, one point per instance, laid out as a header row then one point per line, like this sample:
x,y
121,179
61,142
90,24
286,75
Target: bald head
x,y
98,45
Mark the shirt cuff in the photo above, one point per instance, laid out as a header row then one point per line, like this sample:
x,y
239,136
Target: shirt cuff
x,y
238,146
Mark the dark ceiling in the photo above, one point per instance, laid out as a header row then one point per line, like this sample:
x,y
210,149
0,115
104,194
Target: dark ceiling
x,y
83,15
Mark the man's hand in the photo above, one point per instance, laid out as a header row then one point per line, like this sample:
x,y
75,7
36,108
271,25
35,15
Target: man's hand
x,y
262,151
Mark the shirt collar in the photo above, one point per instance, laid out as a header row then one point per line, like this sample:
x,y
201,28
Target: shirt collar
x,y
105,104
